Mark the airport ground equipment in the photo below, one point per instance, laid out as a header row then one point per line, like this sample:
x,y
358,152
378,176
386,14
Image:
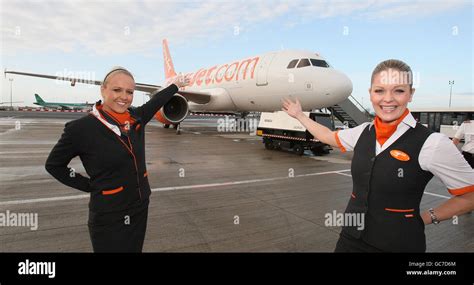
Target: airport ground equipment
x,y
280,131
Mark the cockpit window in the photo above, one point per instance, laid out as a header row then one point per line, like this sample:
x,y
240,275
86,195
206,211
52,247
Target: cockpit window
x,y
303,62
319,63
292,63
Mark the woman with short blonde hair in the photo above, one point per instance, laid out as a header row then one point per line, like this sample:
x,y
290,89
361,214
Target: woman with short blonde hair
x,y
110,142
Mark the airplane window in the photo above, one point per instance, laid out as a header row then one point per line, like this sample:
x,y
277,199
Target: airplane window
x,y
319,63
304,62
292,63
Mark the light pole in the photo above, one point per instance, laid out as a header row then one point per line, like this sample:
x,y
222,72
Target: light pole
x,y
11,93
451,83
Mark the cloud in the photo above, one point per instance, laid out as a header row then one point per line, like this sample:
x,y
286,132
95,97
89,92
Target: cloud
x,y
417,8
118,27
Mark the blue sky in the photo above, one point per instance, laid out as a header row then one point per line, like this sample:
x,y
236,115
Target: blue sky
x,y
89,37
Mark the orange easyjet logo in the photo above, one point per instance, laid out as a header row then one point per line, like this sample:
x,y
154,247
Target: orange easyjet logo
x,y
226,72
400,155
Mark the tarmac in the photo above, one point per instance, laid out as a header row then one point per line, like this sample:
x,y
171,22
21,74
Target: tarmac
x,y
212,192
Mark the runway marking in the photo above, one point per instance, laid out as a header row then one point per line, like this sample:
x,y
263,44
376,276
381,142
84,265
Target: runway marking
x,y
198,186
25,151
39,200
345,174
426,192
243,181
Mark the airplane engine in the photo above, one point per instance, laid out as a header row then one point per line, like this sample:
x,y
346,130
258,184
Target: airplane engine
x,y
173,112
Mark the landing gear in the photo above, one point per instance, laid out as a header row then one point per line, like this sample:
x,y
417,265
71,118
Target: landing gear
x,y
243,115
177,127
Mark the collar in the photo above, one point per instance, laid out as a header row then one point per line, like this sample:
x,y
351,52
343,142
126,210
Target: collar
x,y
409,120
95,112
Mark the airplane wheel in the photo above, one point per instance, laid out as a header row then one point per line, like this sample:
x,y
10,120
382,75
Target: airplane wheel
x,y
298,149
166,126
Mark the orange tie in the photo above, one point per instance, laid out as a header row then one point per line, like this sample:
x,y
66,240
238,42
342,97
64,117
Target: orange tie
x,y
384,131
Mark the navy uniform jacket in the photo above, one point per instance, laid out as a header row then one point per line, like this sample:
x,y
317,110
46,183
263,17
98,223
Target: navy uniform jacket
x,y
115,164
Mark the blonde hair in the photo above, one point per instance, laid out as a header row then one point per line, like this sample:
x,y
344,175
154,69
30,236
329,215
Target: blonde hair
x,y
116,70
394,64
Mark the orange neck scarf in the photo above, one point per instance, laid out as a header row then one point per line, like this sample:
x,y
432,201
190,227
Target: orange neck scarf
x,y
384,131
121,118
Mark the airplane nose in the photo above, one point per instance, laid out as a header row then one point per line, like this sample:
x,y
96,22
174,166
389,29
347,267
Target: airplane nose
x,y
344,86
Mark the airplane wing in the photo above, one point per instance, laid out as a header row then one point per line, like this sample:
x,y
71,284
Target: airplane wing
x,y
193,96
72,80
149,88
196,97
139,86
64,107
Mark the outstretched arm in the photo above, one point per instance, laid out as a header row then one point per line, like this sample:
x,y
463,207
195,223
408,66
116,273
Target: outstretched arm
x,y
319,131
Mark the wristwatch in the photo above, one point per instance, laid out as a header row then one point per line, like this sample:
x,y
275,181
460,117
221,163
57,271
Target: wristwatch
x,y
434,219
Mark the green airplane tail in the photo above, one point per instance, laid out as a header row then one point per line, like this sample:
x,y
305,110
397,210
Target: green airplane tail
x,y
38,99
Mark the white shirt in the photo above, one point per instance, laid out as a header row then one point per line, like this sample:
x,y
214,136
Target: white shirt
x,y
438,155
466,131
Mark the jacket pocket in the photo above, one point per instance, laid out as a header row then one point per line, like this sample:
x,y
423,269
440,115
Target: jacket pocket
x,y
112,191
409,213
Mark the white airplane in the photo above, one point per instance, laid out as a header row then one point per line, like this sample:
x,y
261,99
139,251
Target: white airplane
x,y
257,83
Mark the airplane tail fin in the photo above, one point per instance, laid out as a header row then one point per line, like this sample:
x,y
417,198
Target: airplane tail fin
x,y
38,99
168,62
